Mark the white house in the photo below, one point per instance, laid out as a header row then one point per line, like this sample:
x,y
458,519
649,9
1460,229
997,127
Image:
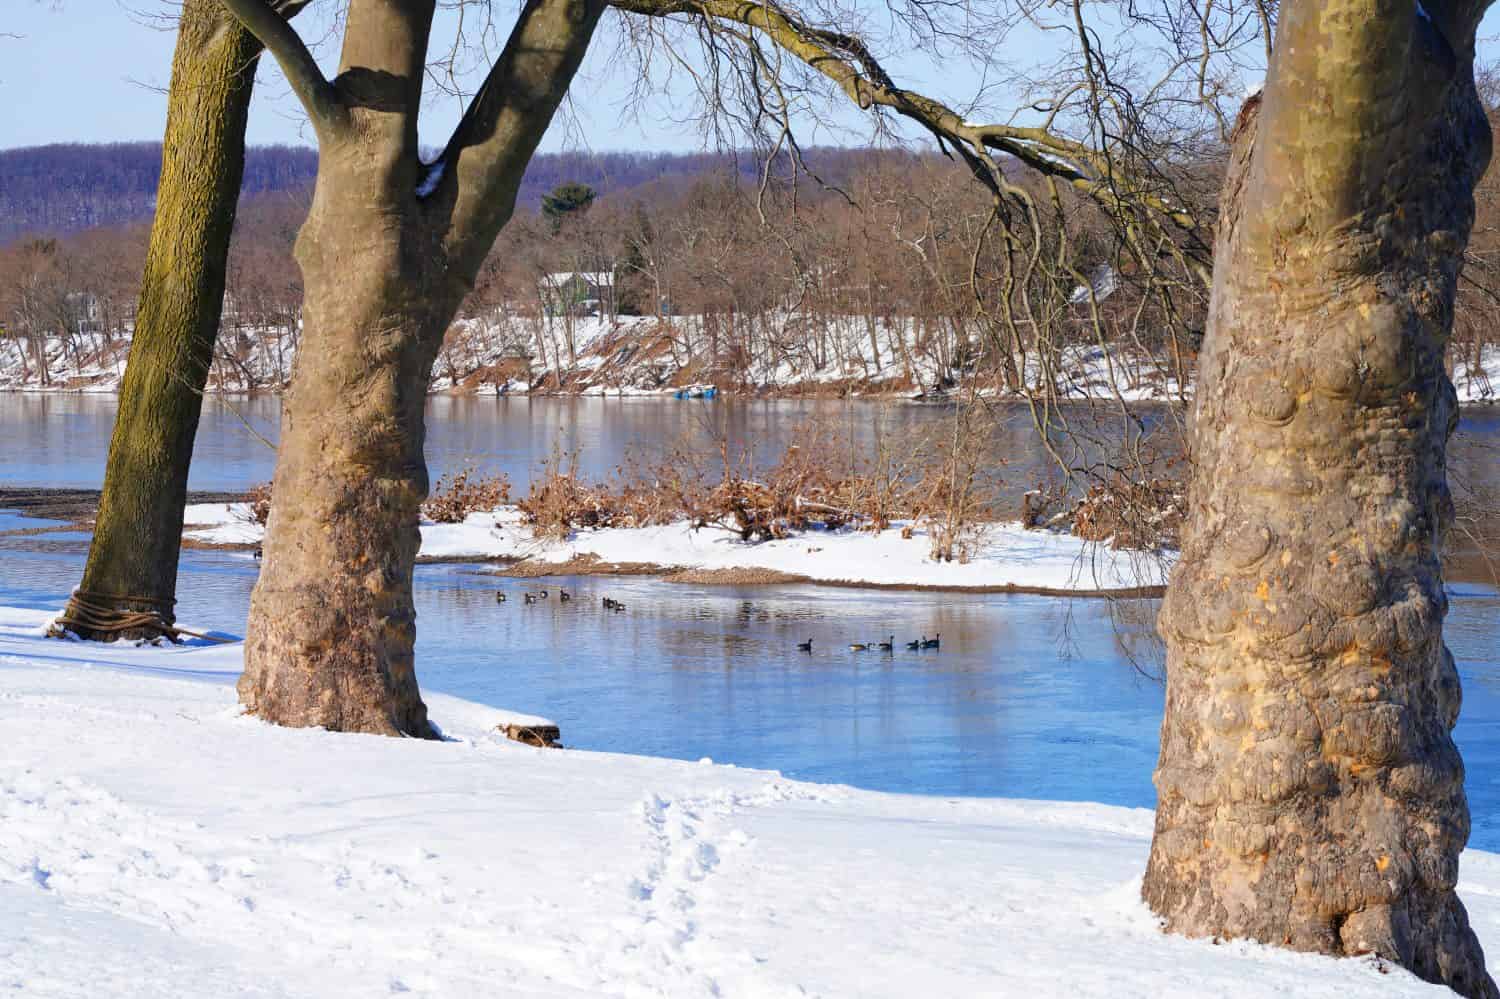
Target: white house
x,y
579,293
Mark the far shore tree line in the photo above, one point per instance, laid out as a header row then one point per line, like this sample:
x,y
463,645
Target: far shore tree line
x,y
873,277
869,279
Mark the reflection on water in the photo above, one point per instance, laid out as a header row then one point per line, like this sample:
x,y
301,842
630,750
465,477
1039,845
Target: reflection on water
x,y
62,440
1028,697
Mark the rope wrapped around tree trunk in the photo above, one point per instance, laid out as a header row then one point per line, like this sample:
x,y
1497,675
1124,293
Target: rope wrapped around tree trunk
x,y
101,613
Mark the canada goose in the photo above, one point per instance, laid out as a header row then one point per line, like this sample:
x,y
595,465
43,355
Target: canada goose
x,y
916,643
543,594
529,598
933,642
858,646
499,596
564,596
805,646
610,603
888,644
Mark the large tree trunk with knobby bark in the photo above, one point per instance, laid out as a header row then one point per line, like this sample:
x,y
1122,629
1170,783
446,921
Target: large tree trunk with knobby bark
x,y
132,563
389,250
1309,791
332,624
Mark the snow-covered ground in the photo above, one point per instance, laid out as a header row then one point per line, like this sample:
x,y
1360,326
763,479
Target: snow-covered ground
x,y
155,842
1007,556
634,355
644,355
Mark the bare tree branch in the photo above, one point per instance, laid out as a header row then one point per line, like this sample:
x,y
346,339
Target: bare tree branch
x,y
319,97
847,61
475,179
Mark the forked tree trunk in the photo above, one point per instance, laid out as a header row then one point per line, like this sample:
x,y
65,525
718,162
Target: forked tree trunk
x,y
132,563
389,250
1309,792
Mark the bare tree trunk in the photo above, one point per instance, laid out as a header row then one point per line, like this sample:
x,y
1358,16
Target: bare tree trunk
x,y
389,250
14,341
132,563
567,319
1309,792
332,623
39,355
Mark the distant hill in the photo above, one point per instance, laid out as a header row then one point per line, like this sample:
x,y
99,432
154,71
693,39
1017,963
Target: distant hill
x,y
58,189
54,190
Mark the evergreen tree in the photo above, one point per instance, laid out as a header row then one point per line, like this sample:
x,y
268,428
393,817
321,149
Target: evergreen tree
x,y
565,200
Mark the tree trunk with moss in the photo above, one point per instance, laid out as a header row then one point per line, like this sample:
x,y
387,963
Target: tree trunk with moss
x,y
132,563
1309,792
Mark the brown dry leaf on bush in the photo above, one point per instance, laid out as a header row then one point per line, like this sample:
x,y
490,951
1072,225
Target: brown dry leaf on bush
x,y
259,499
465,492
1138,515
559,502
958,489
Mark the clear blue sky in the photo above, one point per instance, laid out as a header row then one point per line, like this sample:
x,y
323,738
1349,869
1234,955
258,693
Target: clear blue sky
x,y
96,71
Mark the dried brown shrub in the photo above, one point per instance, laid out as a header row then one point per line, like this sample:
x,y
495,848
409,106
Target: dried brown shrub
x,y
1048,505
819,481
645,501
947,479
259,498
1138,515
958,488
786,498
641,493
465,492
558,501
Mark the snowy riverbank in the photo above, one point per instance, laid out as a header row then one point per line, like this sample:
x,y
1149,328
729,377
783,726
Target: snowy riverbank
x,y
642,355
1007,557
155,842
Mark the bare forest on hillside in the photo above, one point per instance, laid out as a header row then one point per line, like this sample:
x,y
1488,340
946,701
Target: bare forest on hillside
x,y
862,278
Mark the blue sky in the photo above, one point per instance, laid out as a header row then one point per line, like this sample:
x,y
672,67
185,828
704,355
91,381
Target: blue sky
x,y
96,71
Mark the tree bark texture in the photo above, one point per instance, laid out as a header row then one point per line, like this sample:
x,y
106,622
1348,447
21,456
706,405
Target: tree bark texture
x,y
389,249
132,563
332,623
1309,792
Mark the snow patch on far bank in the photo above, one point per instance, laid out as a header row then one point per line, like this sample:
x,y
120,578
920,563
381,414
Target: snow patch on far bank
x,y
1007,555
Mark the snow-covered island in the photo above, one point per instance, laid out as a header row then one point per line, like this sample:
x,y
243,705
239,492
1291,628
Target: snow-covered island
x,y
1007,557
155,842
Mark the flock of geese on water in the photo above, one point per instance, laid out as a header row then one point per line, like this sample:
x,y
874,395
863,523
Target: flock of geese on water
x,y
889,645
611,604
